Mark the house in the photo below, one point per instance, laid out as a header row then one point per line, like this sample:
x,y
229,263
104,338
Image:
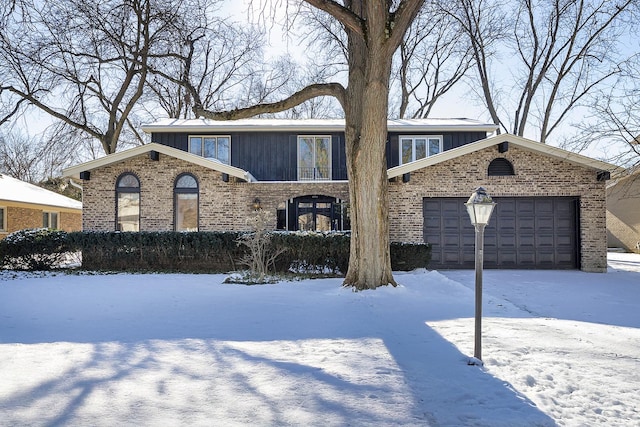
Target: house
x,y
24,205
210,175
623,211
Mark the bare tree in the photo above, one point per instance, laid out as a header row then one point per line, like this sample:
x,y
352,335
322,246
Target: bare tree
x,y
485,24
222,65
374,30
558,52
613,126
433,57
85,63
35,158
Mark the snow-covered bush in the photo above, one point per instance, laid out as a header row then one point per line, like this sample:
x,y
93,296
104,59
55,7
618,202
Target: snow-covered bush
x,y
34,249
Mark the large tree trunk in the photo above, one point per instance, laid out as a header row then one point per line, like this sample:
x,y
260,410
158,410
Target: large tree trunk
x,y
374,33
366,134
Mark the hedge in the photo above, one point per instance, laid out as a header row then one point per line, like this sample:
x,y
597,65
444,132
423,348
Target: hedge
x,y
214,252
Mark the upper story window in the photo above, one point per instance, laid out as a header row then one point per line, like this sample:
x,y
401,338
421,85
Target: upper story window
x,y
417,147
128,203
211,147
185,194
50,220
314,158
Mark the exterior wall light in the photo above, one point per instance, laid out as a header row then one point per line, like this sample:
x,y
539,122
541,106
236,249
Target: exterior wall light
x,y
479,206
256,204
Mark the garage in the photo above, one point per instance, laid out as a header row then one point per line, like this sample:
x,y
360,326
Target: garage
x,y
524,233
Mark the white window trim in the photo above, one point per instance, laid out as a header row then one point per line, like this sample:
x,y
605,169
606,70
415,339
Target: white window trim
x,y
202,148
413,145
314,156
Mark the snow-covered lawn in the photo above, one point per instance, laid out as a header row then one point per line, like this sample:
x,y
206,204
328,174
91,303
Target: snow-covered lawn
x,y
560,348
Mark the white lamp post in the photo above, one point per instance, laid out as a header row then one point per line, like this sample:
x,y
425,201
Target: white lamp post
x,y
479,206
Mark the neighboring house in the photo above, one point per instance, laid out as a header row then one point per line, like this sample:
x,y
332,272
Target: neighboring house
x,y
211,175
24,205
623,212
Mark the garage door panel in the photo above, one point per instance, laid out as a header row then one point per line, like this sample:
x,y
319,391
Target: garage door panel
x,y
507,258
451,223
523,232
508,241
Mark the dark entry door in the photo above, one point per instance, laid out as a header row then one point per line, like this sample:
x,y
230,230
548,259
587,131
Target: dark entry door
x,y
524,232
317,213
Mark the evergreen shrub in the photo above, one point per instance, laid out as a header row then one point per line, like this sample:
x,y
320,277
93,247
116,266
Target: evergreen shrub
x,y
34,249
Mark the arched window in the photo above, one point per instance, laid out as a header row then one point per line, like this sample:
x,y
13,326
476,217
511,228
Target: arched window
x,y
500,167
128,203
185,195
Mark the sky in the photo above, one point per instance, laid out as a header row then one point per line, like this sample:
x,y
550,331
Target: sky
x,y
454,104
560,348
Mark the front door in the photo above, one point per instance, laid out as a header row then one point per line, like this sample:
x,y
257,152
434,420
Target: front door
x,y
317,213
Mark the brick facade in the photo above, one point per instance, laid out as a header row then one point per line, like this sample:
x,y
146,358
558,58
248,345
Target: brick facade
x,y
20,217
535,175
223,205
226,205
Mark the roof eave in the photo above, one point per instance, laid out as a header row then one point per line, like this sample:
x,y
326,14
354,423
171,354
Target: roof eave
x,y
523,143
74,171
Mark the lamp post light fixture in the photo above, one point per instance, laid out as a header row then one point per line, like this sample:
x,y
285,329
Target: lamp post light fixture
x,y
479,206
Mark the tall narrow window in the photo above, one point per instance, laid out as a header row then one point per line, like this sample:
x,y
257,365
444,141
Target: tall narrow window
x,y
3,219
211,147
50,220
186,203
128,203
414,148
314,158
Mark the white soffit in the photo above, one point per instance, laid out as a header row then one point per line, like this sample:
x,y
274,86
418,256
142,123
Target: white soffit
x,y
520,142
74,171
311,125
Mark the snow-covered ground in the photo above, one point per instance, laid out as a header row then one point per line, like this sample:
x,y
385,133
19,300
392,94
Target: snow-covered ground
x,y
560,348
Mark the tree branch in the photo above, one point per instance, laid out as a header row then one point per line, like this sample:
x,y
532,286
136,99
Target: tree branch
x,y
347,18
313,91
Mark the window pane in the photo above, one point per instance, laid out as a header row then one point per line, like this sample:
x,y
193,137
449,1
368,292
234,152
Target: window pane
x,y
187,181
434,146
53,223
305,222
223,149
407,150
323,223
421,148
195,145
45,219
2,227
305,158
128,181
323,153
187,212
128,212
210,148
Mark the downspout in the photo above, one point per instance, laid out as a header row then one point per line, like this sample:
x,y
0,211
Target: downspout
x,y
74,184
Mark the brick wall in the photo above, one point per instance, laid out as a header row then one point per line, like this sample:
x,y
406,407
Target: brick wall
x,y
22,217
223,205
535,175
226,205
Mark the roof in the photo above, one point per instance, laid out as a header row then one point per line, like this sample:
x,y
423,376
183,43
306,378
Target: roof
x,y
315,125
213,164
14,190
518,141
